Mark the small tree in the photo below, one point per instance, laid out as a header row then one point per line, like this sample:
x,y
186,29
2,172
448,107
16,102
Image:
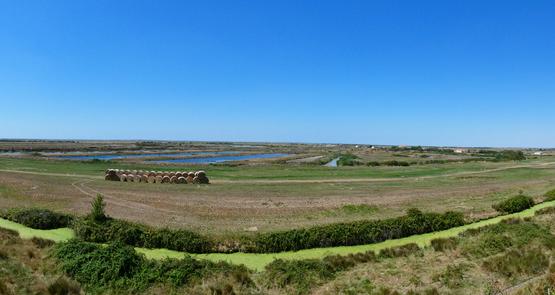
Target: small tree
x,y
97,208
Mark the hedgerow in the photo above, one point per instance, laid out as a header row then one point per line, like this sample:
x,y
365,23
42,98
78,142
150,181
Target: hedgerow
x,y
37,218
140,235
356,233
514,204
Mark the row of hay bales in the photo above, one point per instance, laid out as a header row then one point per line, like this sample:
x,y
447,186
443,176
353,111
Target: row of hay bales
x,y
198,177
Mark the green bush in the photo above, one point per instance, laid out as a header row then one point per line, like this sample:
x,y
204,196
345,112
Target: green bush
x,y
348,160
514,204
140,235
396,163
37,218
98,209
549,196
118,267
510,155
356,233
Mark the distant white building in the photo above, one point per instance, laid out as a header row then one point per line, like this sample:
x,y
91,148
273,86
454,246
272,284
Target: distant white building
x,y
538,154
459,151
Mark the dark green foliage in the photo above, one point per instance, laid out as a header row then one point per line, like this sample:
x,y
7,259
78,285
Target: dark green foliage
x,y
549,196
63,286
443,244
356,233
396,163
401,251
3,255
518,262
348,160
514,204
510,155
37,218
98,209
118,267
140,235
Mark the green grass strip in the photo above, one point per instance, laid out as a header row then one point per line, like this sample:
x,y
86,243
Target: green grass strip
x,y
56,235
258,261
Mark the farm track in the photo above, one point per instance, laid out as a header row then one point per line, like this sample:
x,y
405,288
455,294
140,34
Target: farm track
x,y
301,181
83,188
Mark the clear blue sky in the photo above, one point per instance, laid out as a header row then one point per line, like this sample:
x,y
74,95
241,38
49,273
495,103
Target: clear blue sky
x,y
467,73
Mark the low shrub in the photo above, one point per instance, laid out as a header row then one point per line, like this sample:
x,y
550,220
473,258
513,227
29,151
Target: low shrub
x,y
494,239
3,255
549,196
348,160
37,218
301,275
444,244
518,262
64,286
42,243
514,204
401,251
453,276
98,209
396,163
356,233
118,267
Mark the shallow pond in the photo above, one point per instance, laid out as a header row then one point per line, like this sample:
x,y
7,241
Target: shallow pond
x,y
132,156
219,159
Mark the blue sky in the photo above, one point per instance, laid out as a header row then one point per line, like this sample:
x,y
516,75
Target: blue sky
x,y
466,73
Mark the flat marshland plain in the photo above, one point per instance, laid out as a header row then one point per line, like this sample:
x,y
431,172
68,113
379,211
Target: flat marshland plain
x,y
273,194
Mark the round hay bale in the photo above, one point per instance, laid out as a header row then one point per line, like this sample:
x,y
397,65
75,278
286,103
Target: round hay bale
x,y
151,179
173,179
144,178
190,178
130,177
112,176
123,177
151,173
158,178
137,178
181,180
191,174
178,174
200,178
166,179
